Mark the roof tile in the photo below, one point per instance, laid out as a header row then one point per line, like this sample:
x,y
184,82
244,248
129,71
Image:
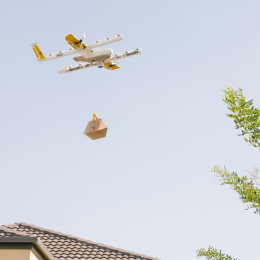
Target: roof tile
x,y
67,247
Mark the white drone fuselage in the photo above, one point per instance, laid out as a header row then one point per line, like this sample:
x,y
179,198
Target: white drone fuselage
x,y
98,56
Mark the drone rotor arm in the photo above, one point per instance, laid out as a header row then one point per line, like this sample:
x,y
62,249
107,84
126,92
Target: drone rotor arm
x,y
99,44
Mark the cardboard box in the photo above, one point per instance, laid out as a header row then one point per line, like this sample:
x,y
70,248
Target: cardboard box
x,y
96,129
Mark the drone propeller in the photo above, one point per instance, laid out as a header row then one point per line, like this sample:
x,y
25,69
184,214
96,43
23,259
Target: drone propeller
x,y
118,35
97,41
81,40
107,38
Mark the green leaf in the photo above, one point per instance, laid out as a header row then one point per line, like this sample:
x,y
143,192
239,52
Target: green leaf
x,y
246,117
213,254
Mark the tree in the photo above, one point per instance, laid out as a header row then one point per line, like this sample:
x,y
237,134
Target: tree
x,y
245,115
247,118
213,254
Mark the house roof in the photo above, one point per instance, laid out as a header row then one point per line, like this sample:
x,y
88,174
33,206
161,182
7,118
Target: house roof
x,y
67,247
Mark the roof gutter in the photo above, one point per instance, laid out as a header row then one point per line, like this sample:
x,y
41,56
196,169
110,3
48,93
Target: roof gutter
x,y
28,240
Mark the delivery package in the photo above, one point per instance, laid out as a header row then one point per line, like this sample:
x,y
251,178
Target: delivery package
x,y
96,129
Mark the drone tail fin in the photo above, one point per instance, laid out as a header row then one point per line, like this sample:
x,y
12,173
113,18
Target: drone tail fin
x,y
37,51
65,69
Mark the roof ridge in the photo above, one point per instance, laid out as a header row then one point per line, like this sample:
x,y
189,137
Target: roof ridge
x,y
87,241
4,228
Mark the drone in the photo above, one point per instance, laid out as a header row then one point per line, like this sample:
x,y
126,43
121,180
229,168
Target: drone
x,y
88,53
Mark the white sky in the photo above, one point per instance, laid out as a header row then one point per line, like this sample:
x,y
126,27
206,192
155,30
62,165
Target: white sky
x,y
147,186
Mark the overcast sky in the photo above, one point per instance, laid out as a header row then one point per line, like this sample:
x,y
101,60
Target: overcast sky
x,y
147,186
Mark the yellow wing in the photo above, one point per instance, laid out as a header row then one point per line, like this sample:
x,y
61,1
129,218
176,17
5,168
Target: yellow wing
x,y
74,42
111,66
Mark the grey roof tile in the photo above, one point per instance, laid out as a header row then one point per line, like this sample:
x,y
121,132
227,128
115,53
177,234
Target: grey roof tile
x,y
67,247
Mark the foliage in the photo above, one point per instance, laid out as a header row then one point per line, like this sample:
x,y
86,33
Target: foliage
x,y
246,118
248,191
213,254
244,114
255,176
